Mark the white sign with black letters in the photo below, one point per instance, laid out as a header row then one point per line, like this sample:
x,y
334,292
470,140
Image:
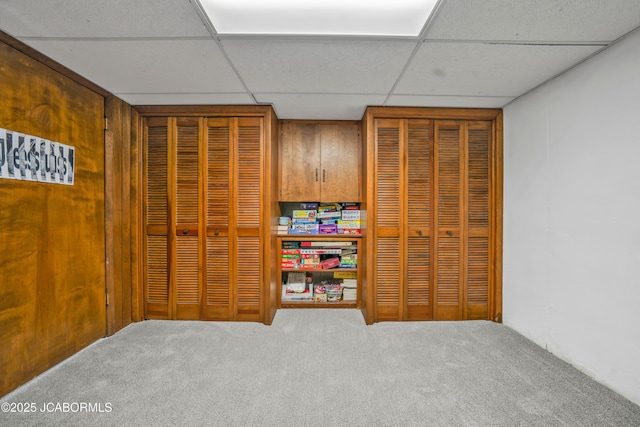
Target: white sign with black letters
x,y
31,158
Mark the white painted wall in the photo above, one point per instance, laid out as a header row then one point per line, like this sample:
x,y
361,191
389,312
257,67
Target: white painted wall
x,y
571,275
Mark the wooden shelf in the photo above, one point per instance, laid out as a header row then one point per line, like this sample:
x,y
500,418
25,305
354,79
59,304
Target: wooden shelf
x,y
310,304
312,237
317,270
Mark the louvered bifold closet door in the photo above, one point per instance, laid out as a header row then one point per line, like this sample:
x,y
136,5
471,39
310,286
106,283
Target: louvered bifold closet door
x,y
419,181
389,276
478,225
156,219
248,166
449,233
219,142
186,273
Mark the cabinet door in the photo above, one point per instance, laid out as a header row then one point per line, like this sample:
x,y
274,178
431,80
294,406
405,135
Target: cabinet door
x,y
478,225
217,256
418,212
300,162
248,191
340,160
448,237
389,275
185,276
156,220
204,189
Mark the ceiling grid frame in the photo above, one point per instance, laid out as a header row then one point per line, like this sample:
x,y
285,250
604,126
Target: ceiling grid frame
x,y
468,54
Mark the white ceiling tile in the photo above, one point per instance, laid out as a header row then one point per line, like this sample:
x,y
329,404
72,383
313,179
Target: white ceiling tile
x,y
535,20
319,106
186,98
327,66
467,69
100,18
146,66
448,101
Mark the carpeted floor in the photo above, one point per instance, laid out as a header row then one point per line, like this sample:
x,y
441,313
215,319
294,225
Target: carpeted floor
x,y
316,368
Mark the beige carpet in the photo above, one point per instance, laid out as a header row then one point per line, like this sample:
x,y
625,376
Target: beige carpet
x,y
317,368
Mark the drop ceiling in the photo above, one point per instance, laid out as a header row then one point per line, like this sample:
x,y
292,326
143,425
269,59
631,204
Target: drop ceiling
x,y
470,53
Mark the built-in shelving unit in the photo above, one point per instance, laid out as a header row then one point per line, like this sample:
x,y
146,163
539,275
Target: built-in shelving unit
x,y
319,271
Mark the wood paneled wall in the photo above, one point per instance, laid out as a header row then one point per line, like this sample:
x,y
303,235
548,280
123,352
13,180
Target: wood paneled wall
x,y
52,250
121,215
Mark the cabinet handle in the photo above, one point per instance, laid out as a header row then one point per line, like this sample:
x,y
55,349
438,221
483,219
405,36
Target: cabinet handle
x,y
217,232
316,174
185,231
323,175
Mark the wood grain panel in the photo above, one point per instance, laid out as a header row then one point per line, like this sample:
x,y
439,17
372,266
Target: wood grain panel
x,y
52,255
388,176
118,219
299,166
339,163
248,172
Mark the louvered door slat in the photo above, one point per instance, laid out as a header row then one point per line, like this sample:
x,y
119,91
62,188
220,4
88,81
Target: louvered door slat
x,y
389,274
419,174
248,172
187,280
157,278
217,293
156,284
187,176
478,278
387,278
248,254
478,202
477,298
449,177
248,278
418,219
218,175
418,278
448,269
388,177
156,162
448,280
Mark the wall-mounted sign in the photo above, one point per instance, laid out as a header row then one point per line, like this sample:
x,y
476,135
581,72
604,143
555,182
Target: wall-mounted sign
x,y
31,158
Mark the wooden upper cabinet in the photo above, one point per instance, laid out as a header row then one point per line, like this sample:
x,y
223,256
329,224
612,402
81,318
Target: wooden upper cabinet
x,y
320,162
339,163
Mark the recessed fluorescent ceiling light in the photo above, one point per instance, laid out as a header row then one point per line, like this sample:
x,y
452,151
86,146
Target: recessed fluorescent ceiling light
x,y
322,17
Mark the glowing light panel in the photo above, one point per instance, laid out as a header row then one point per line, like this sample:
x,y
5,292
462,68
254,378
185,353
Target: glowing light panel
x,y
319,17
